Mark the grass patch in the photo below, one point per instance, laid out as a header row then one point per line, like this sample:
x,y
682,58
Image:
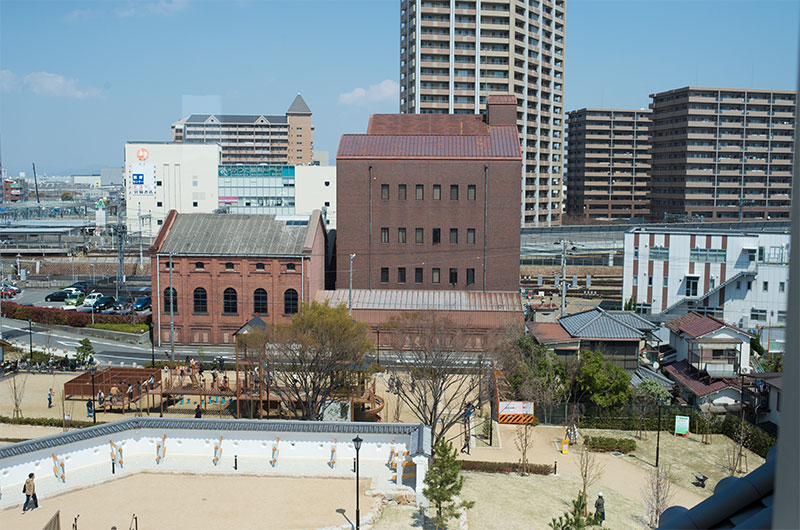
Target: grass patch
x,y
124,328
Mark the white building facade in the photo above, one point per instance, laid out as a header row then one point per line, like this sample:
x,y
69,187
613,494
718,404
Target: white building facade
x,y
739,277
161,176
315,189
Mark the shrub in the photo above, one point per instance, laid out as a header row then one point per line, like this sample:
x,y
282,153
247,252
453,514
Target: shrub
x,y
608,444
504,467
124,328
47,422
755,438
50,315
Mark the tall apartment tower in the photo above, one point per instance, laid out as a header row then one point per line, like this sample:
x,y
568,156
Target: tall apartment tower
x,y
722,153
608,164
254,138
453,53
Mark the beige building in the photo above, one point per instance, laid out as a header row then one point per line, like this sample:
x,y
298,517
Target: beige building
x,y
254,139
608,164
722,153
455,52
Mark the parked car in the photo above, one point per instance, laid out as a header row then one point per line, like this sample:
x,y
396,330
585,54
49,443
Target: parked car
x,y
123,302
81,286
75,298
91,299
104,302
142,303
58,296
11,286
8,293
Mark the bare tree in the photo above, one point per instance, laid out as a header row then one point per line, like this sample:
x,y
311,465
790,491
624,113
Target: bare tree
x,y
524,441
16,387
706,418
729,461
657,494
434,377
591,471
312,360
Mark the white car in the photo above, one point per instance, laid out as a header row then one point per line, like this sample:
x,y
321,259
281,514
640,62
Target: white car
x,y
91,299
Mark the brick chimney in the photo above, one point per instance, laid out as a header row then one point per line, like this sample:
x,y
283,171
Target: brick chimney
x,y
501,109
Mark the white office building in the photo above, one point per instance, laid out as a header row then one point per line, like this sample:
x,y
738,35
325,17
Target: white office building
x,y
739,277
161,176
315,189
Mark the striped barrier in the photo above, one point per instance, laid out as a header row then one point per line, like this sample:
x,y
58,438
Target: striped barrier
x,y
516,418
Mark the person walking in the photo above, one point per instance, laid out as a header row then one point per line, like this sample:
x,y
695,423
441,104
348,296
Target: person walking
x,y
600,508
198,412
50,398
30,494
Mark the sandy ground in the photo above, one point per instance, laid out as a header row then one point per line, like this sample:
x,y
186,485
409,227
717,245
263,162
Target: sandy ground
x,y
196,501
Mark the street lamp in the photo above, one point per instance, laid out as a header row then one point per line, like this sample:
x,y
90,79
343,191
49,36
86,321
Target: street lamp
x,y
94,407
30,337
379,344
357,444
658,433
152,345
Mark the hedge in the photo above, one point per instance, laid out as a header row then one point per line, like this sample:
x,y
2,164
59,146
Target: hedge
x,y
504,467
47,422
50,315
755,438
608,444
124,328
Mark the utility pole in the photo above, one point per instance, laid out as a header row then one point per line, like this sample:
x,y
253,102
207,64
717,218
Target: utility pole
x,y
350,295
3,278
563,275
120,248
171,310
36,183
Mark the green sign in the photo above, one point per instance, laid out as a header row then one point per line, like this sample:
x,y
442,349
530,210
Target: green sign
x,y
681,425
100,204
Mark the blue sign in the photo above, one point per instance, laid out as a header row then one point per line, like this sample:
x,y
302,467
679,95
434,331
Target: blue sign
x,y
138,179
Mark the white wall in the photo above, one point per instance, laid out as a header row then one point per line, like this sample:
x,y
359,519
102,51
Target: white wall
x,y
774,414
738,300
88,462
314,186
188,174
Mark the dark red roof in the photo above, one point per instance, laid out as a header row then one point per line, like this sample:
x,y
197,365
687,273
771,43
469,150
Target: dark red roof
x,y
421,124
697,325
548,332
501,99
501,142
699,383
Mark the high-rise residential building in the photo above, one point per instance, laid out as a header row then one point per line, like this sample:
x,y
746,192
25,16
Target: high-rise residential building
x,y
455,52
254,138
608,164
430,202
722,153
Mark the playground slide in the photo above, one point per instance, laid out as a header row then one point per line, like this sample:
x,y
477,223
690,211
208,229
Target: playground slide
x,y
373,414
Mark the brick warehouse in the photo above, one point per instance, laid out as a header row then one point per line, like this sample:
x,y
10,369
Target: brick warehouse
x,y
431,201
228,268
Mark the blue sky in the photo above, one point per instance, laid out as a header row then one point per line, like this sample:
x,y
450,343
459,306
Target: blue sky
x,y
78,79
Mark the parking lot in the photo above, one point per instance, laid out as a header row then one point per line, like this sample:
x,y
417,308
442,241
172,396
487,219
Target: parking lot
x,y
36,297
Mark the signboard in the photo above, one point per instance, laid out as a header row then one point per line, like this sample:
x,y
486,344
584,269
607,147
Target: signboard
x,y
143,179
240,170
142,153
681,425
515,412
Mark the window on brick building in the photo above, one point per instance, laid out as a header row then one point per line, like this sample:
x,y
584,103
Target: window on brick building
x,y
470,276
200,299
471,192
418,275
401,235
384,235
199,266
436,275
290,267
437,192
420,191
260,267
419,235
260,302
470,236
436,237
230,301
454,192
384,274
453,276
454,236
384,192
290,302
401,192
401,275
229,266
170,300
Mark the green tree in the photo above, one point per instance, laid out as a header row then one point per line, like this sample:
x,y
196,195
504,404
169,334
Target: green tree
x,y
647,395
630,304
574,518
66,196
443,482
85,351
601,382
772,362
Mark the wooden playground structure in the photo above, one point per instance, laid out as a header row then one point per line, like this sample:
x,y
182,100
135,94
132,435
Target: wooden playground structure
x,y
121,387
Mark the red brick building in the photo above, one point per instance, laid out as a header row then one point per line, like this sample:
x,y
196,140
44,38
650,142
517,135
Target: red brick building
x,y
431,201
228,268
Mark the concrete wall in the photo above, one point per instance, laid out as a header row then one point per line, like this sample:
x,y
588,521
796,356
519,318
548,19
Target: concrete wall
x,y
87,462
315,189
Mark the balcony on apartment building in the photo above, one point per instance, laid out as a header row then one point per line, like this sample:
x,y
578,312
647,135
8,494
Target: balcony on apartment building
x,y
719,357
